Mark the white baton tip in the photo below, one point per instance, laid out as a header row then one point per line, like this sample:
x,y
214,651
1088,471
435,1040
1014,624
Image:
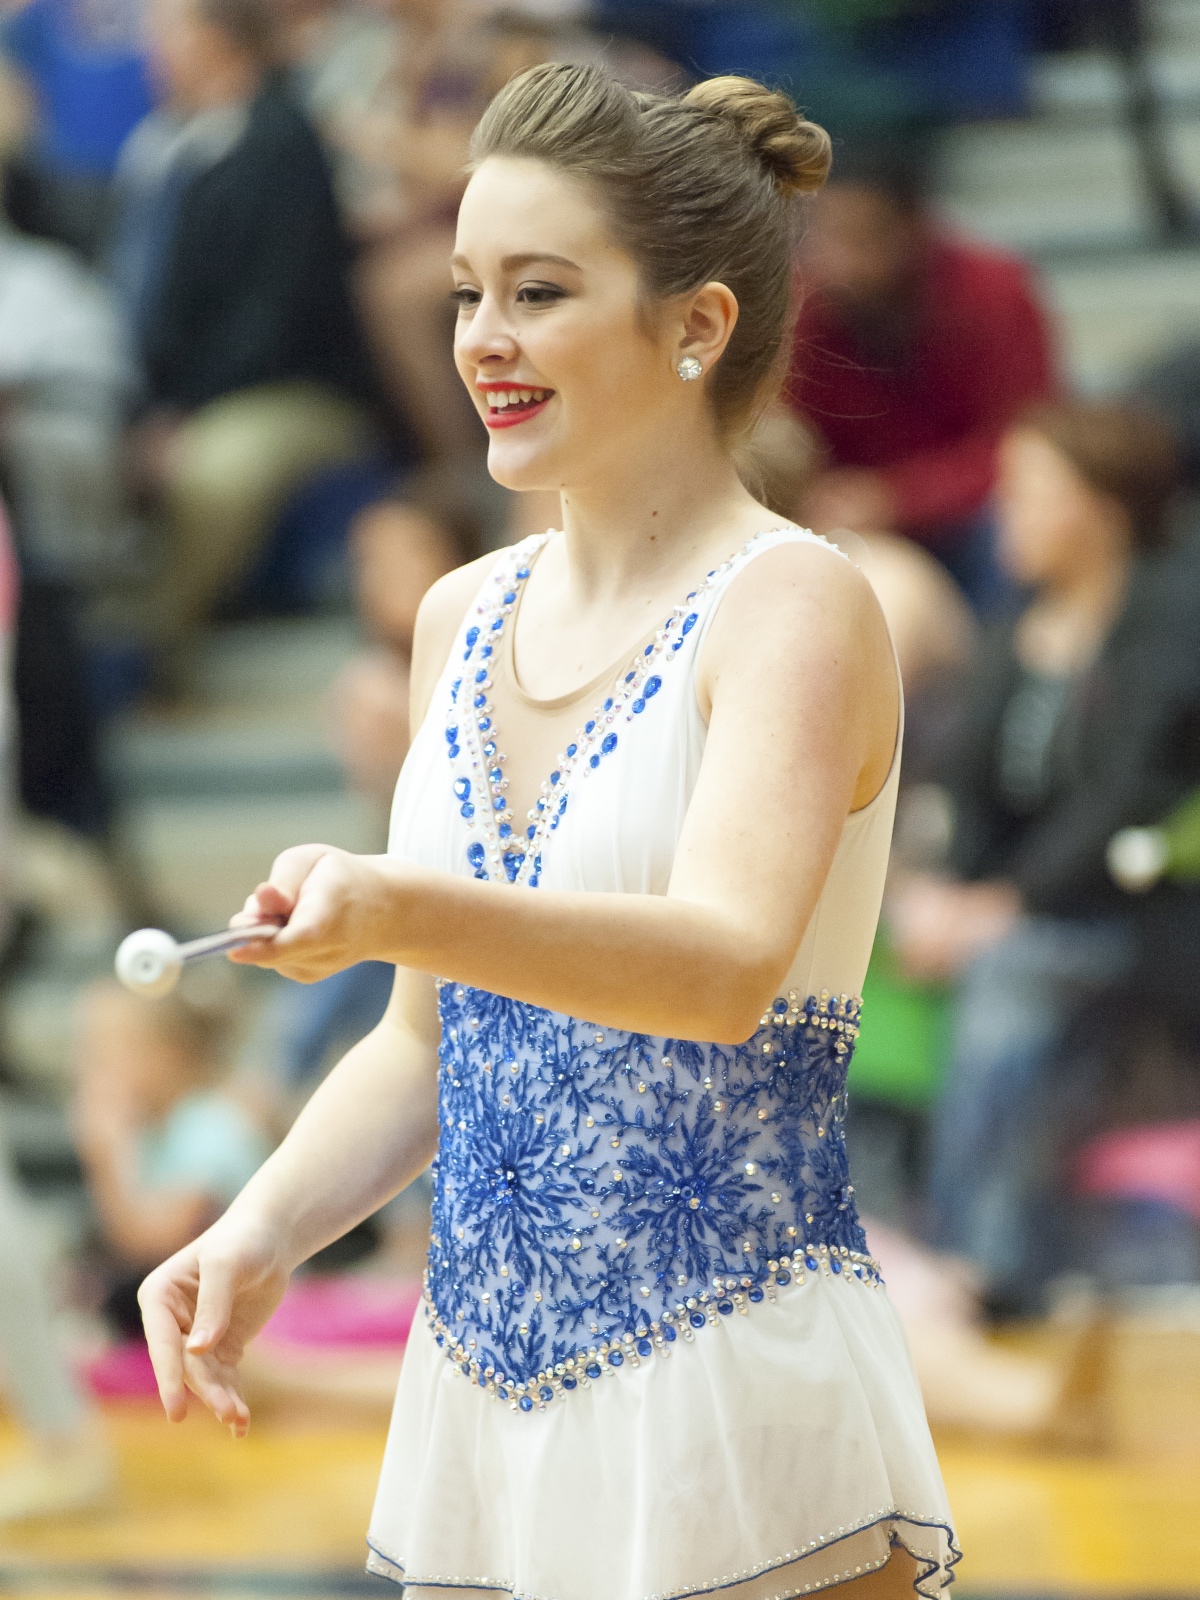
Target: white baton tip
x,y
148,962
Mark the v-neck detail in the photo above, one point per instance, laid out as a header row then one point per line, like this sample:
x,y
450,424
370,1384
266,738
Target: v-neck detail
x,y
587,690
511,847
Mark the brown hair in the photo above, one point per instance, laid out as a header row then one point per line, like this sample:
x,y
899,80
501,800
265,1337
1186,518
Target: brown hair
x,y
697,188
1121,450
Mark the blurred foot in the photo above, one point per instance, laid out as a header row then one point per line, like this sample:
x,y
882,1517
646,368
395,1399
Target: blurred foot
x,y
54,1476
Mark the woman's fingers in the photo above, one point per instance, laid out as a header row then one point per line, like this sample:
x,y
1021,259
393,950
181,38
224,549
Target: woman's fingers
x,y
289,872
214,1382
164,1340
214,1305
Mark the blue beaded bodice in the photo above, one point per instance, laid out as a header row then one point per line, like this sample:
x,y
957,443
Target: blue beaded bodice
x,y
598,1193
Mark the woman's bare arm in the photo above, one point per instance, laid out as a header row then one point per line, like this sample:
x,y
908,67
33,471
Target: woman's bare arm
x,y
368,1130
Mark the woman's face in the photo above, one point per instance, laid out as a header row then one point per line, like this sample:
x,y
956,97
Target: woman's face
x,y
553,340
1052,523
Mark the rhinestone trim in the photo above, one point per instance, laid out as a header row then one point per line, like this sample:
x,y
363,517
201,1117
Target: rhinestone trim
x,y
588,1364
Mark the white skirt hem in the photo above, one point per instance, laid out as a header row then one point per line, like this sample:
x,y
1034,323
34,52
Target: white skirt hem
x,y
892,1525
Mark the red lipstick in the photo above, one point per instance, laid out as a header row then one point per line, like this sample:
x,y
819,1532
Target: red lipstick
x,y
511,403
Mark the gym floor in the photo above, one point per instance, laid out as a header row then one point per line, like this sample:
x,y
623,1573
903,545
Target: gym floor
x,y
282,1514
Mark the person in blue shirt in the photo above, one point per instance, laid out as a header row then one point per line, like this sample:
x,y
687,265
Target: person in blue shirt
x,y
84,64
164,1145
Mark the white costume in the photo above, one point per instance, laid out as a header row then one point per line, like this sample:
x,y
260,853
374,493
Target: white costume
x,y
656,1359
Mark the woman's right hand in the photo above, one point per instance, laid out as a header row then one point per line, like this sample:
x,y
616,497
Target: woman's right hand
x,y
202,1307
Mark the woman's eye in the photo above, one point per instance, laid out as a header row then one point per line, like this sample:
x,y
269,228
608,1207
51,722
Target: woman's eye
x,y
465,296
538,294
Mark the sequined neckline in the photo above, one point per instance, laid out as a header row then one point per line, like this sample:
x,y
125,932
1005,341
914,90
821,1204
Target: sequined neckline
x,y
512,849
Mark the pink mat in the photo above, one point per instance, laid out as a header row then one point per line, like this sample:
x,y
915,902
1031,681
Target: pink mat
x,y
317,1314
345,1313
1158,1162
123,1372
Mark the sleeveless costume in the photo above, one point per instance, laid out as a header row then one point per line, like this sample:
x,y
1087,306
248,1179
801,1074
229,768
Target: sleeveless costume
x,y
656,1358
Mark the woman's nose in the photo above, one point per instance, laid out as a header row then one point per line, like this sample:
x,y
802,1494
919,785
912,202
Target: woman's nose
x,y
486,336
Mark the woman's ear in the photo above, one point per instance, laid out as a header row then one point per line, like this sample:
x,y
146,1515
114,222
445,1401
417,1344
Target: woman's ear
x,y
709,318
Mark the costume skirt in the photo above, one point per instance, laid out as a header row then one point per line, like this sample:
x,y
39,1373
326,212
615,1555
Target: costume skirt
x,y
777,1453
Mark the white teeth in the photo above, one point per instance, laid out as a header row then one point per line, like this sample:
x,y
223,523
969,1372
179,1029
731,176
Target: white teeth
x,y
500,399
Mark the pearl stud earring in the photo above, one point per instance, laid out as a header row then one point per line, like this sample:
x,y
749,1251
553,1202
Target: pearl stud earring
x,y
689,369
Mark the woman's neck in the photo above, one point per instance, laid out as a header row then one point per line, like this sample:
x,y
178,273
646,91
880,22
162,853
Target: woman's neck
x,y
653,517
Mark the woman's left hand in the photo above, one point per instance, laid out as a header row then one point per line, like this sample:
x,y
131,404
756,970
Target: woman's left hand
x,y
334,909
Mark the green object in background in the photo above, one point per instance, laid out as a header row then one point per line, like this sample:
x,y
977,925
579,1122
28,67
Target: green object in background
x,y
904,1036
1139,857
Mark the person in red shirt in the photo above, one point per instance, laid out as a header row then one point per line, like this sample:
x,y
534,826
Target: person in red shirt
x,y
914,351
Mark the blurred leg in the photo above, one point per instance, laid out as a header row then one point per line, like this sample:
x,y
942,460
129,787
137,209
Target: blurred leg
x,y
990,1130
36,1376
67,1464
240,459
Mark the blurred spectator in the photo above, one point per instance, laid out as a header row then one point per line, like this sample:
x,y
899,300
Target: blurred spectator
x,y
1083,716
343,62
65,379
164,1146
66,1464
914,350
400,549
232,266
82,64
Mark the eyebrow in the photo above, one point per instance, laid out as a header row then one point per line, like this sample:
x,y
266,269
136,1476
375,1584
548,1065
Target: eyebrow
x,y
514,263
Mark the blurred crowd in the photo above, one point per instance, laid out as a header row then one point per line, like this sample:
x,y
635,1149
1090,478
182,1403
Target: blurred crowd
x,y
227,392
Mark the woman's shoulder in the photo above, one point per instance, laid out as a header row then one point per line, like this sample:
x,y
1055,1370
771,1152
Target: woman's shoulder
x,y
790,564
792,593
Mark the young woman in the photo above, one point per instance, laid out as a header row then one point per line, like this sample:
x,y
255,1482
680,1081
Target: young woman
x,y
640,839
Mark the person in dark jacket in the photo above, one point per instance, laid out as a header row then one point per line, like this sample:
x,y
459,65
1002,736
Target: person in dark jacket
x,y
1083,717
233,269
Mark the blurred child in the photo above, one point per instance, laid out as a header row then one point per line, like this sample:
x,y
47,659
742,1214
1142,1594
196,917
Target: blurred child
x,y
163,1145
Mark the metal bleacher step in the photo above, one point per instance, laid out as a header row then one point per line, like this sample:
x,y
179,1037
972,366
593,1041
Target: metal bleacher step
x,y
1118,313
210,791
1064,188
1065,178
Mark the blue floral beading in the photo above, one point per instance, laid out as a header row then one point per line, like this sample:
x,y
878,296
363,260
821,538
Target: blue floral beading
x,y
599,1194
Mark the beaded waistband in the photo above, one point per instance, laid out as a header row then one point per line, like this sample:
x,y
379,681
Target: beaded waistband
x,y
651,1338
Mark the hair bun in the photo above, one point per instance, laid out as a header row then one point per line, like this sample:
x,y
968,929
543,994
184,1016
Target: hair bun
x,y
796,153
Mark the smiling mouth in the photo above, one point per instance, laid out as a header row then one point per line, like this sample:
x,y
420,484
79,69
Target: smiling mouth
x,y
507,406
